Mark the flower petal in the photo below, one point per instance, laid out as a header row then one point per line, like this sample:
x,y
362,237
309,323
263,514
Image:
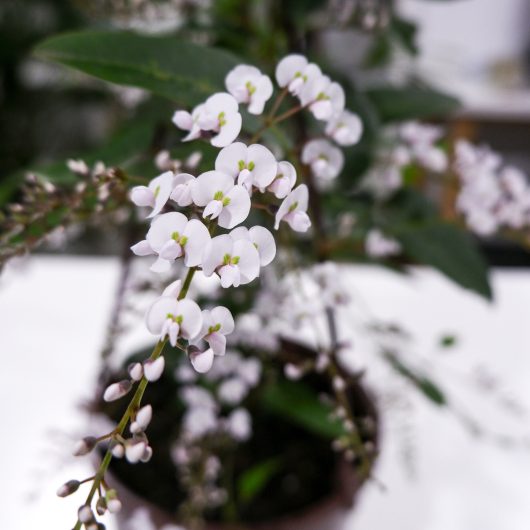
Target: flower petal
x,y
229,131
191,318
238,208
142,248
214,252
265,244
265,165
222,315
248,260
198,237
227,160
208,184
288,67
202,361
163,227
157,313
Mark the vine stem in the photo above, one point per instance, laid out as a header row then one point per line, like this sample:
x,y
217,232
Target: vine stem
x,y
134,404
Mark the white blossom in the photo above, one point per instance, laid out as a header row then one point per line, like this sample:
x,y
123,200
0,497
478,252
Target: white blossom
x,y
236,262
218,115
249,166
294,71
239,424
221,198
216,324
248,85
156,194
153,368
181,192
323,97
284,180
379,246
345,128
326,160
293,210
261,238
201,361
233,390
173,318
172,236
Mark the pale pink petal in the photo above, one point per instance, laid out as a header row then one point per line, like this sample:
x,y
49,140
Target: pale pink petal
x,y
217,342
183,120
238,208
229,131
228,159
142,248
160,265
173,289
157,313
202,361
171,250
221,102
161,187
142,196
230,276
248,260
212,210
264,242
214,252
289,67
191,314
265,165
222,315
298,221
198,237
208,184
163,227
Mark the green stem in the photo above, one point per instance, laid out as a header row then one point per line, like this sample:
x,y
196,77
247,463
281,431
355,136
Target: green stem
x,y
134,405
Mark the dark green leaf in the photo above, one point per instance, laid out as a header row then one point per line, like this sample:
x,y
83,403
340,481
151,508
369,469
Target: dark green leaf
x,y
253,480
173,68
299,403
399,104
424,384
448,249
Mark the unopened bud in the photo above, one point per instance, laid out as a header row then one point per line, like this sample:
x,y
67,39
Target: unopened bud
x,y
293,372
113,503
101,506
118,451
148,453
143,417
136,371
153,369
78,166
194,160
117,390
68,488
135,452
85,514
84,446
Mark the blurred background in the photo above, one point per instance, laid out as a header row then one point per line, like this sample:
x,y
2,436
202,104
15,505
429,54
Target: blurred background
x,y
433,474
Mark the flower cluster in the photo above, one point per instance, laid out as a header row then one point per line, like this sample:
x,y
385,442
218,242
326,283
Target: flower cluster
x,y
491,196
411,143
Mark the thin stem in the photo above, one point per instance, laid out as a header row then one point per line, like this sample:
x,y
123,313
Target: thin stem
x,y
134,405
277,103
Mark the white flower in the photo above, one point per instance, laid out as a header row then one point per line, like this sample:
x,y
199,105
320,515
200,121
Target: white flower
x,y
173,318
294,72
248,85
284,180
156,194
250,371
171,236
325,159
233,390
236,262
239,424
249,166
261,238
221,198
345,128
199,421
219,115
416,133
323,97
378,245
181,193
293,210
432,158
216,324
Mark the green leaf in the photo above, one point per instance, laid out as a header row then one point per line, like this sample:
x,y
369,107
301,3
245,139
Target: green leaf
x,y
173,68
425,385
298,403
399,104
448,249
253,480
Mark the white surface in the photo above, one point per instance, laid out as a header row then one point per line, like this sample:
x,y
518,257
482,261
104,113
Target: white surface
x,y
54,313
462,42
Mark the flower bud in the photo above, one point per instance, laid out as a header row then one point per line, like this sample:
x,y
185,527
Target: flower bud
x,y
153,369
143,417
84,446
118,451
136,371
101,506
148,453
68,488
293,372
134,452
117,390
85,514
113,503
